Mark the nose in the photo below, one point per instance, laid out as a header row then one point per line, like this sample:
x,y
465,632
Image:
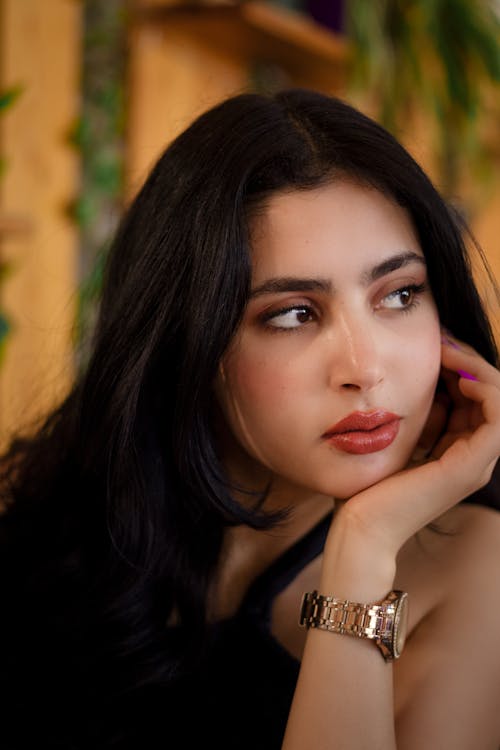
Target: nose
x,y
356,356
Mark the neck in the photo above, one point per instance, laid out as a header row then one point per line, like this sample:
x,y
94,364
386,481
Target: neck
x,y
247,553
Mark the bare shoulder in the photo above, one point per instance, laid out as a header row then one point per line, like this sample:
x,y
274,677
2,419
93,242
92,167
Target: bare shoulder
x,y
471,516
473,539
454,563
448,676
455,558
474,555
466,528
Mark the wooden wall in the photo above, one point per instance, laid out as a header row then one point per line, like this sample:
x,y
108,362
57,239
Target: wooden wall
x,y
181,62
40,51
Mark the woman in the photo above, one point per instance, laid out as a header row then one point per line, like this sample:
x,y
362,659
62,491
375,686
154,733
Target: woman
x,y
292,389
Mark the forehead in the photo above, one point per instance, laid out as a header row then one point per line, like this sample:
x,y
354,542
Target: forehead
x,y
337,228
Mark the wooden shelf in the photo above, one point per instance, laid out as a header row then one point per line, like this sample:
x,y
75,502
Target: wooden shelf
x,y
256,31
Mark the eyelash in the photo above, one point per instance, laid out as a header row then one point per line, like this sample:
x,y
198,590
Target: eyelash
x,y
415,289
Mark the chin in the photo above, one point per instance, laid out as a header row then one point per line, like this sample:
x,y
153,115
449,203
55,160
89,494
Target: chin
x,y
363,477
346,492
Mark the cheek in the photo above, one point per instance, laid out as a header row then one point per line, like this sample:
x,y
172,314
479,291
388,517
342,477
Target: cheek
x,y
422,355
257,384
261,395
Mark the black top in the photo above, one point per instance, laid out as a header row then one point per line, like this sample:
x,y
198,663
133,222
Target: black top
x,y
241,697
237,698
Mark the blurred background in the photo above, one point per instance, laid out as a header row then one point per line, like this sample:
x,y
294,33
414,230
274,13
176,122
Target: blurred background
x,y
91,91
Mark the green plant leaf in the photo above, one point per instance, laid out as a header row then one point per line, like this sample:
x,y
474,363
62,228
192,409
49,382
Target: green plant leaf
x,y
442,56
8,97
4,331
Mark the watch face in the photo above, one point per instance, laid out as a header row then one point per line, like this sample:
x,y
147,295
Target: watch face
x,y
400,625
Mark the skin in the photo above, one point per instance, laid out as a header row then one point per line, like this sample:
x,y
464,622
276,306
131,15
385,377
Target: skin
x,y
357,343
352,343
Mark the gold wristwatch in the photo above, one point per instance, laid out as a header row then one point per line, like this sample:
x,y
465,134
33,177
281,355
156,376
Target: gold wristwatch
x,y
384,622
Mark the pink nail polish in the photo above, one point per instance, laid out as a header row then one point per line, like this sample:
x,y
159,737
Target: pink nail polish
x,y
446,340
466,375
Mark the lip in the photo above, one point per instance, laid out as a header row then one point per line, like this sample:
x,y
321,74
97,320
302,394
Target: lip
x,y
364,432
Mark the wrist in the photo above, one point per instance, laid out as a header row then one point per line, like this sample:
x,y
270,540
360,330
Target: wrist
x,y
355,565
384,622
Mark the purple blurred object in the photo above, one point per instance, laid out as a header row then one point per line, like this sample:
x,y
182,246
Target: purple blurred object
x,y
329,13
466,375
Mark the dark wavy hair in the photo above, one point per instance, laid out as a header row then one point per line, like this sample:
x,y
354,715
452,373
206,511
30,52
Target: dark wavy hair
x,y
116,508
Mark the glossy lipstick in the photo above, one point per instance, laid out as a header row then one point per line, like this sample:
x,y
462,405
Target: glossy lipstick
x,y
364,432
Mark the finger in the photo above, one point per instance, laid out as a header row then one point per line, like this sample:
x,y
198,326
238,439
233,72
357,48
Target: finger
x,y
457,356
450,378
462,413
487,396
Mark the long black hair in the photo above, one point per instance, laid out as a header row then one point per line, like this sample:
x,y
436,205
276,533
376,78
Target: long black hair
x,y
116,508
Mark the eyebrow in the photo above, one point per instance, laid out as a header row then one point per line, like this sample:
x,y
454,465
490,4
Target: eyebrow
x,y
292,284
295,284
392,264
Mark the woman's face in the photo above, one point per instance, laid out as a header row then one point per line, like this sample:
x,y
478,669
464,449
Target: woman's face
x,y
341,323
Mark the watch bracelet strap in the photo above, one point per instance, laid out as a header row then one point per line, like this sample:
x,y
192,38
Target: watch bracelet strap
x,y
373,621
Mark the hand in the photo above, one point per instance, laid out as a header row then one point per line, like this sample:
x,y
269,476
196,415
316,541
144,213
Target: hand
x,y
473,421
435,426
465,438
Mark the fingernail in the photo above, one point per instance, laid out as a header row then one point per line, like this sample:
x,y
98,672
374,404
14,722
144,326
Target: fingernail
x,y
466,375
446,340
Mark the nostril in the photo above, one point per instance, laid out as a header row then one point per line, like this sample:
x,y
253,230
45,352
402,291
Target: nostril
x,y
351,386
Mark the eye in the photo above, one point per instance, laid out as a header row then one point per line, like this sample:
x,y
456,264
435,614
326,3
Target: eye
x,y
289,317
404,298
